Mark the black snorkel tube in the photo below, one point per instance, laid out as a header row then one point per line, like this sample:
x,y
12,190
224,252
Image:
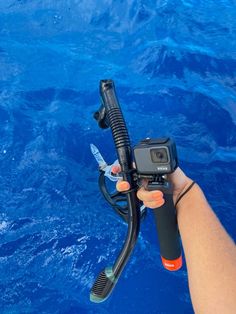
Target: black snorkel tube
x,y
110,115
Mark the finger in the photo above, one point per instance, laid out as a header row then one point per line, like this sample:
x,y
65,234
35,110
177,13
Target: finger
x,y
149,196
116,169
154,204
122,186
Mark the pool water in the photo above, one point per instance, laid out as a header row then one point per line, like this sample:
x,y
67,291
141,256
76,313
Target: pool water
x,y
174,65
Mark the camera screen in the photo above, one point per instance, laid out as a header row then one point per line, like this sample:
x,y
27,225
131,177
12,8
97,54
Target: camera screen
x,y
159,155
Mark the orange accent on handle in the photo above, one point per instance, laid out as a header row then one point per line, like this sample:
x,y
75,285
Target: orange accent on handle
x,y
172,265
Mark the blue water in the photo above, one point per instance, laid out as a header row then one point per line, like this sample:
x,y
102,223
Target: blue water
x,y
174,64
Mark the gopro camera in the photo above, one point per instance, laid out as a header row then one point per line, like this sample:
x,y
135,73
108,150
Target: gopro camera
x,y
156,156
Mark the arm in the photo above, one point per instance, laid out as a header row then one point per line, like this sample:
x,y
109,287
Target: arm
x,y
210,253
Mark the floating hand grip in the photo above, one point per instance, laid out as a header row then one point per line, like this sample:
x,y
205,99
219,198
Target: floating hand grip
x,y
167,228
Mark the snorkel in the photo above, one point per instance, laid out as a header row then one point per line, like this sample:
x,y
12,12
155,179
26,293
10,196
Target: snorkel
x,y
110,115
154,160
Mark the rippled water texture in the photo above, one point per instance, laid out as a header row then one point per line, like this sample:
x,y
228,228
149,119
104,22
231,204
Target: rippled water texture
x,y
174,64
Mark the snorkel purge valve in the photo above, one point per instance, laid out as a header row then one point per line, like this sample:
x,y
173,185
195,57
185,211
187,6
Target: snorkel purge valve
x,y
154,159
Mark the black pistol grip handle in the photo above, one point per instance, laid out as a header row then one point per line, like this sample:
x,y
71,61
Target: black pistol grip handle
x,y
167,230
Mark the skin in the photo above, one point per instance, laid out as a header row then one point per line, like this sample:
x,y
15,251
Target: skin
x,y
209,251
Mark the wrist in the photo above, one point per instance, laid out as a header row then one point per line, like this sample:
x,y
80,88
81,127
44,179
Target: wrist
x,y
185,191
182,187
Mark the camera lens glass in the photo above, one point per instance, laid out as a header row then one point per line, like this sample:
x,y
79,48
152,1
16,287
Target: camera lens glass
x,y
159,155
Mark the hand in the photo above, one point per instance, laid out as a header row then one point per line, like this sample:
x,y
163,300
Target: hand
x,y
154,199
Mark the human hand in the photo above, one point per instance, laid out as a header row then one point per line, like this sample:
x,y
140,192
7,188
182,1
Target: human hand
x,y
154,199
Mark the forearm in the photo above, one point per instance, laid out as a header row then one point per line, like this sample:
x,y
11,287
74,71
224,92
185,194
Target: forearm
x,y
210,255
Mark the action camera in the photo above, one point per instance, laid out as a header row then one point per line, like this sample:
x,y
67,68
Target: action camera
x,y
156,156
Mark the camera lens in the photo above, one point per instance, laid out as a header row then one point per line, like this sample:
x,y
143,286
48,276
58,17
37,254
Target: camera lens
x,y
159,155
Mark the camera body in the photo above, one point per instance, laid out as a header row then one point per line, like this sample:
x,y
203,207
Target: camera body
x,y
155,156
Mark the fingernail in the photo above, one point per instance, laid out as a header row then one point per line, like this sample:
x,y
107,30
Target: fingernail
x,y
124,185
115,169
161,202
